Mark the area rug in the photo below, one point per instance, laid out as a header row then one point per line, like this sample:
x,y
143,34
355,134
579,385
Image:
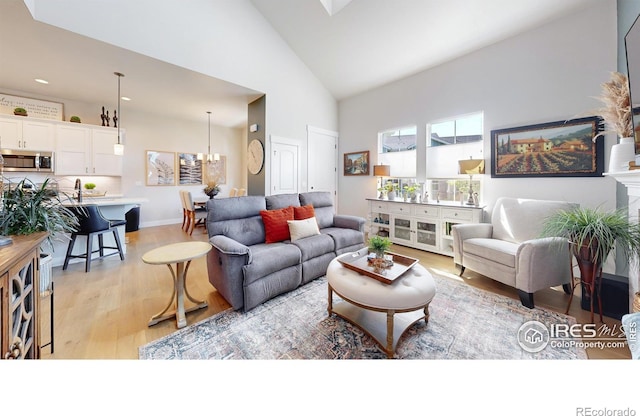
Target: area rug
x,y
465,323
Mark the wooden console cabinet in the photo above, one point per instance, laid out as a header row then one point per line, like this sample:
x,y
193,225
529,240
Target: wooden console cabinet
x,y
422,226
19,299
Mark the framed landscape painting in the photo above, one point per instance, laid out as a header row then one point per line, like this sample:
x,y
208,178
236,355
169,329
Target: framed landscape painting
x,y
356,163
555,149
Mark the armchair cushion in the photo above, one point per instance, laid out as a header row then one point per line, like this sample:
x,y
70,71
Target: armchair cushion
x,y
503,252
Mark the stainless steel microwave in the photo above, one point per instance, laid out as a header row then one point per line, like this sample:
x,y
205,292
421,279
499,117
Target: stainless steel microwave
x,y
27,161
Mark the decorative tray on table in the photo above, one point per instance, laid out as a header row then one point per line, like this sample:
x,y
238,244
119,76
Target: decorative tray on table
x,y
394,266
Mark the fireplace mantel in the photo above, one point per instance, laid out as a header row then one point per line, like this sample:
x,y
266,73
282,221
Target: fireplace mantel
x,y
631,180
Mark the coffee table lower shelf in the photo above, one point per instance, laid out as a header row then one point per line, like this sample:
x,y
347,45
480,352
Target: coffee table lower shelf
x,y
385,326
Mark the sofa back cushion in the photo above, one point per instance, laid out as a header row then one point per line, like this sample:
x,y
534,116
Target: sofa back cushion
x,y
322,206
237,218
517,220
282,201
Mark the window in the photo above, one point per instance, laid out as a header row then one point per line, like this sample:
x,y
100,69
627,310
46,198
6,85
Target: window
x,y
397,148
449,141
463,129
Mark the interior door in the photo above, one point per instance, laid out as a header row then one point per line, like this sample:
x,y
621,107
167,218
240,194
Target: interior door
x,y
285,171
322,162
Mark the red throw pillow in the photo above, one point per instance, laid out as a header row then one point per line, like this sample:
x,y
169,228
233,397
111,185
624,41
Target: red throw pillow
x,y
303,213
276,227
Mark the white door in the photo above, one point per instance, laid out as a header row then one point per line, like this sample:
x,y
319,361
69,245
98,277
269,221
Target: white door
x,y
284,165
322,163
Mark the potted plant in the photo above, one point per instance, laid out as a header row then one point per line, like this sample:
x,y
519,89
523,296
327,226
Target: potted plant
x,y
391,189
89,187
410,191
19,111
75,119
212,189
379,245
28,209
593,234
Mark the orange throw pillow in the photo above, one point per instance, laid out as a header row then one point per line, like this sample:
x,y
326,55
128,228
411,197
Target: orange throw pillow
x,y
303,213
276,227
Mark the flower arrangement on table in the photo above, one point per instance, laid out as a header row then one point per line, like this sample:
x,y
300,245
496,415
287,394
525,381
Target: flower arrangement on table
x,y
212,189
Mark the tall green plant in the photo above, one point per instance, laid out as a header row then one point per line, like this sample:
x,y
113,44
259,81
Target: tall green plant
x,y
28,209
601,231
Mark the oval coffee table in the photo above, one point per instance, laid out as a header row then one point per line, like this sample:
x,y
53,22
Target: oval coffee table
x,y
383,311
178,253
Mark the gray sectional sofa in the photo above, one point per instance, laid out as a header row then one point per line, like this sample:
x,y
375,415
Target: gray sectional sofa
x,y
246,271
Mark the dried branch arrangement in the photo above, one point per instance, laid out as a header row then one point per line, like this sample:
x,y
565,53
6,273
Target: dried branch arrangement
x,y
617,109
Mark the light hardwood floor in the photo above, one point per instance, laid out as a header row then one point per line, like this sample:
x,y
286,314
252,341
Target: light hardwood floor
x,y
104,314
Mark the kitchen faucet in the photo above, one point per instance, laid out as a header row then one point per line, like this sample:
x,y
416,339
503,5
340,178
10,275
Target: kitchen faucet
x,y
78,186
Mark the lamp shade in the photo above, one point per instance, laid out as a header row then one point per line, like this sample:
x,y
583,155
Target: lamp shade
x,y
471,166
381,170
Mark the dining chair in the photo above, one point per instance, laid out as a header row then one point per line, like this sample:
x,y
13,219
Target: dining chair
x,y
233,192
241,192
197,216
185,216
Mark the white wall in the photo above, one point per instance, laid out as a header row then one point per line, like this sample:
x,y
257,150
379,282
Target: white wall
x,y
548,74
241,47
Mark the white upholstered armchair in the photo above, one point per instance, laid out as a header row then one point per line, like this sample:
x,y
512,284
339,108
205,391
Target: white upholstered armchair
x,y
510,251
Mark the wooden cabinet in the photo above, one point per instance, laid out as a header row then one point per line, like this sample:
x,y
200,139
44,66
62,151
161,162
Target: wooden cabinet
x,y
87,150
423,226
19,304
21,133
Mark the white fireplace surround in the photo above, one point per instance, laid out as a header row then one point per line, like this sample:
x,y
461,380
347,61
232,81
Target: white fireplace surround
x,y
631,180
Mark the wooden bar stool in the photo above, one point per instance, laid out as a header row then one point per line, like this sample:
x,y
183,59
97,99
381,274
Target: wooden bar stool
x,y
92,223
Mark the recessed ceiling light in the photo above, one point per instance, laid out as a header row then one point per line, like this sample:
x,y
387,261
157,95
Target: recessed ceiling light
x,y
125,98
41,81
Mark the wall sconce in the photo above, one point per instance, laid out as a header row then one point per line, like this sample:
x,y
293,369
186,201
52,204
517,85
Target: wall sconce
x,y
381,171
118,148
471,167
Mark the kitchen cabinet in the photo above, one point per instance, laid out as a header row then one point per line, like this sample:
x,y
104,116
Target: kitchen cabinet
x,y
19,300
86,150
21,133
422,226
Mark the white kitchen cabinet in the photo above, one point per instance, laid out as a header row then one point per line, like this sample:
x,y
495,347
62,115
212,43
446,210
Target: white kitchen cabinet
x,y
21,133
86,150
422,226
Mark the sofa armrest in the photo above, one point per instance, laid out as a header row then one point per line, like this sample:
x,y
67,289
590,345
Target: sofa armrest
x,y
542,263
349,221
461,232
225,264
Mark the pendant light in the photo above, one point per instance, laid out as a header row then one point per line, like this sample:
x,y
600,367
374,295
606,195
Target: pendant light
x,y
118,148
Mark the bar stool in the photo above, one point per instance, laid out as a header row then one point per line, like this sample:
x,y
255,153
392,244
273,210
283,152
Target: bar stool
x,y
93,223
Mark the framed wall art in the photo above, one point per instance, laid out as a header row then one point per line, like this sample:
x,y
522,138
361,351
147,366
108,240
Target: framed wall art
x,y
189,169
356,163
160,168
217,170
555,149
36,108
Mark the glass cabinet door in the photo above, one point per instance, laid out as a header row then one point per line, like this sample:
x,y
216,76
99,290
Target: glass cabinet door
x,y
426,233
402,229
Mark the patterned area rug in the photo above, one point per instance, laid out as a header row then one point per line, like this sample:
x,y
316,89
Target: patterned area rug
x,y
464,323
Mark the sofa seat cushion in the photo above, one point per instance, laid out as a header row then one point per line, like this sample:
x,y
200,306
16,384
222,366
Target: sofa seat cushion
x,y
499,251
315,246
344,237
270,258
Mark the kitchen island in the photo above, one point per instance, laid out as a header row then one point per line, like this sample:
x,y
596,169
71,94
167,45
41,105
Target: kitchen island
x,y
113,208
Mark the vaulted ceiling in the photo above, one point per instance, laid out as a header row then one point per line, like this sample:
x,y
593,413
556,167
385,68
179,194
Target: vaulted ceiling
x,y
350,45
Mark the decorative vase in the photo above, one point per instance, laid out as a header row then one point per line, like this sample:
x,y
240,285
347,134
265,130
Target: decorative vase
x,y
621,154
413,197
212,194
391,195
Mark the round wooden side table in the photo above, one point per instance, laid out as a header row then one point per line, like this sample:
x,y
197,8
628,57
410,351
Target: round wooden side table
x,y
181,255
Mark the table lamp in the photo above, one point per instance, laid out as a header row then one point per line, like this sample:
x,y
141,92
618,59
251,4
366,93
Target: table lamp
x,y
471,167
381,171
